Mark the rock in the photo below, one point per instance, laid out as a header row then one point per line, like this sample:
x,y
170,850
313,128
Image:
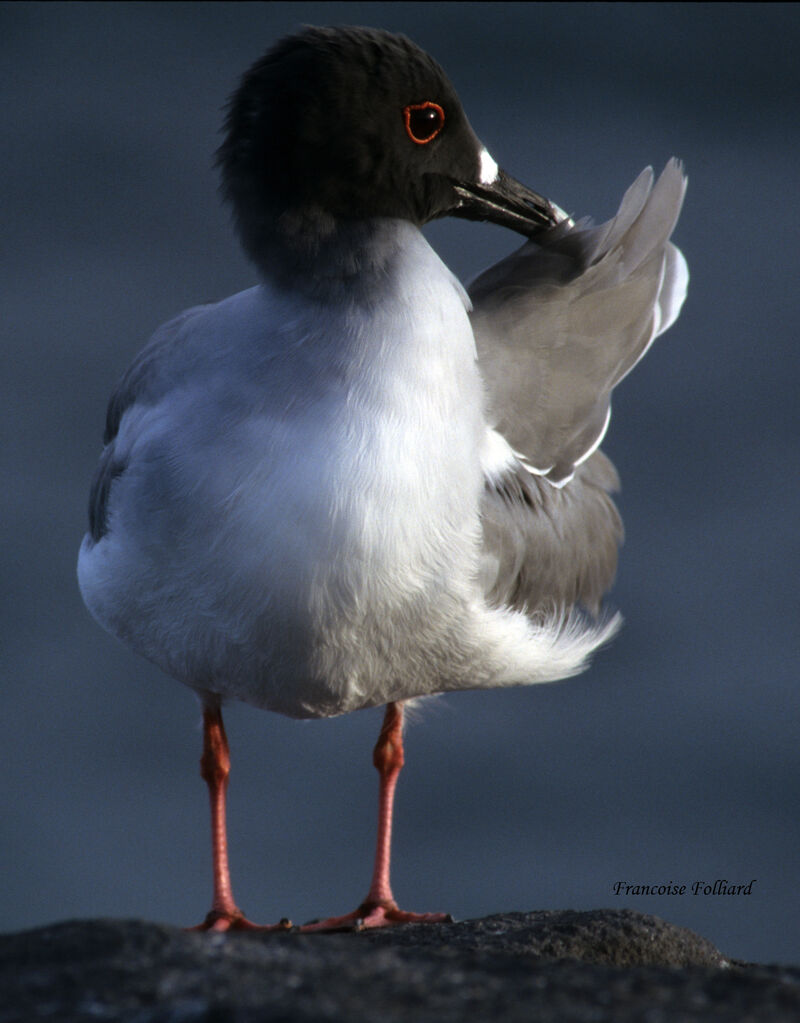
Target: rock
x,y
561,966
616,937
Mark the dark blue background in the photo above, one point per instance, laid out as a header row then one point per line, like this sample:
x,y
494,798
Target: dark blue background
x,y
676,757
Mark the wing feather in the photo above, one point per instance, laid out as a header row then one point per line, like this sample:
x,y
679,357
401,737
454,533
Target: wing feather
x,y
557,325
548,548
561,321
144,381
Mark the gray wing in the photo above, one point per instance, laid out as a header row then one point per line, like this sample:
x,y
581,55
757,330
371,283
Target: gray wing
x,y
142,381
561,321
549,548
557,325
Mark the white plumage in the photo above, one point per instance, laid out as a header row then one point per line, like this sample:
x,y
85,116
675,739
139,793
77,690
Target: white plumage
x,y
357,483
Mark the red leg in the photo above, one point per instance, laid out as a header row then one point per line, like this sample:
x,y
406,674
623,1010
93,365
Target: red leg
x,y
215,766
379,908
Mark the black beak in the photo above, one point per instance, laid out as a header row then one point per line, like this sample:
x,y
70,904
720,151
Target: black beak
x,y
505,202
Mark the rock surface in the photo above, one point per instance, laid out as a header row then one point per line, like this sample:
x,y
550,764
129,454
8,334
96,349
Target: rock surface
x,y
613,965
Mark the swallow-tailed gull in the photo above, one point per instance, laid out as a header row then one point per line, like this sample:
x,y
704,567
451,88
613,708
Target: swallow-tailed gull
x,y
358,483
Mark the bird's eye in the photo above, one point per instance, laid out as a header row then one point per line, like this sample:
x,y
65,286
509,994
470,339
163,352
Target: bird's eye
x,y
424,121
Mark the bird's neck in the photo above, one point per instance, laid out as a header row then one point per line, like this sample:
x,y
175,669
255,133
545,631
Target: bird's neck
x,y
330,260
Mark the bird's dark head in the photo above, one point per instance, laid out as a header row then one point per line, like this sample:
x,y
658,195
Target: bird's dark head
x,y
339,125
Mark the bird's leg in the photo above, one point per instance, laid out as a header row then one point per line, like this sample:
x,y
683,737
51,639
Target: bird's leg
x,y
379,908
215,766
388,758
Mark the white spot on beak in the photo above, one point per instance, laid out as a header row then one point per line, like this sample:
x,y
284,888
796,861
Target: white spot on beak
x,y
562,216
489,169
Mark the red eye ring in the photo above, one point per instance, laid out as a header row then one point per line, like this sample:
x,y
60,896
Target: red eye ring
x,y
409,112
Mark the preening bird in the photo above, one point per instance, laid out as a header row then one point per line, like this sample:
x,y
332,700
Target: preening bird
x,y
358,483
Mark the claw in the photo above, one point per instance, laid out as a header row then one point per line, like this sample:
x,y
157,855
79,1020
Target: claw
x,y
219,921
370,916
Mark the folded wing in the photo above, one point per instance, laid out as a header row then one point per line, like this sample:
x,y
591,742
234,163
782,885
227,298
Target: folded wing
x,y
557,325
561,321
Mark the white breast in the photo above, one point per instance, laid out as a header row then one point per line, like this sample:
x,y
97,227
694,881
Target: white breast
x,y
302,497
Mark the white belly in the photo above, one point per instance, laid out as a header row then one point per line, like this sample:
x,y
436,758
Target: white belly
x,y
301,543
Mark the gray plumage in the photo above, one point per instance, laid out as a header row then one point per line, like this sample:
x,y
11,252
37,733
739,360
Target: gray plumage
x,y
557,325
550,548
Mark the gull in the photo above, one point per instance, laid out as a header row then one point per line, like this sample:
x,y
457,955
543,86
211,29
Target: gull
x,y
357,483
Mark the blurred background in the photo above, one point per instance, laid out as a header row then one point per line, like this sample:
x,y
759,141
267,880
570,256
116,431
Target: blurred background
x,y
675,758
